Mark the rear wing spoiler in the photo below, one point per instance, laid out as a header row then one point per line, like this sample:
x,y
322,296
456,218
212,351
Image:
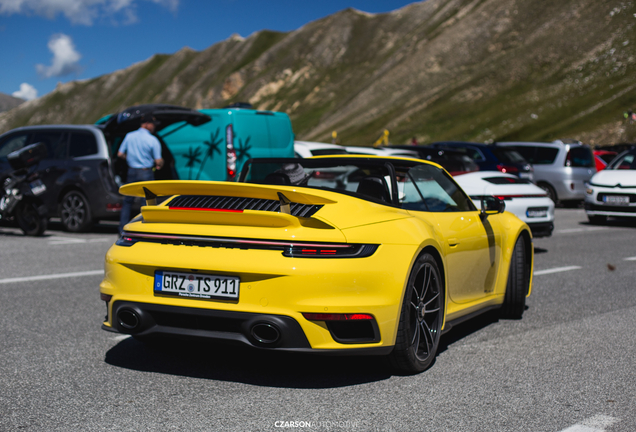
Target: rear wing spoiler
x,y
153,189
286,195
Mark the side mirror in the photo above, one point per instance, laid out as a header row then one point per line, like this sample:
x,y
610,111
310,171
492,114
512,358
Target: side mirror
x,y
491,205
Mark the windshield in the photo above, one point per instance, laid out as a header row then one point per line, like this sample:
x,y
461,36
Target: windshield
x,y
406,184
624,162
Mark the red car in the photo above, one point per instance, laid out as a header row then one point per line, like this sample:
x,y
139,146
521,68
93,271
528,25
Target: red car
x,y
602,158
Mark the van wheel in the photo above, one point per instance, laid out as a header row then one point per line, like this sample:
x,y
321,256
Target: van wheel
x,y
550,191
75,212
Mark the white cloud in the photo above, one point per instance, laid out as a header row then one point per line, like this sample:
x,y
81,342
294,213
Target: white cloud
x,y
65,58
81,11
27,91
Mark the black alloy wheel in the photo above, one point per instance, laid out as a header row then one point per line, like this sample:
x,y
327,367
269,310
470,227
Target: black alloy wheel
x,y
29,219
518,283
421,318
75,212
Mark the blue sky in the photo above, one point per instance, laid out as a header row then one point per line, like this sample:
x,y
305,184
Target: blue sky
x,y
44,42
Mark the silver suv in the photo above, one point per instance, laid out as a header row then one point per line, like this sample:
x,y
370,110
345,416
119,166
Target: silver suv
x,y
561,168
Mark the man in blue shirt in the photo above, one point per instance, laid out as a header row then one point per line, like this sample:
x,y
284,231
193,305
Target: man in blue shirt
x,y
142,150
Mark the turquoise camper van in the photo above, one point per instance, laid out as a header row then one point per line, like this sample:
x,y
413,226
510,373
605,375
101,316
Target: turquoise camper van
x,y
207,144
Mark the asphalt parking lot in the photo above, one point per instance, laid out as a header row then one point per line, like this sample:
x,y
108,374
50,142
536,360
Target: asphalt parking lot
x,y
568,365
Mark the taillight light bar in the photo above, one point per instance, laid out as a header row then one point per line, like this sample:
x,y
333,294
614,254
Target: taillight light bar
x,y
290,250
337,317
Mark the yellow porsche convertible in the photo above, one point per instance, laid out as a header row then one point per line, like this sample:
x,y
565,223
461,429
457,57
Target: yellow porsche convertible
x,y
347,254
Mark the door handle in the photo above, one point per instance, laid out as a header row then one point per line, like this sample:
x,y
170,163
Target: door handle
x,y
453,242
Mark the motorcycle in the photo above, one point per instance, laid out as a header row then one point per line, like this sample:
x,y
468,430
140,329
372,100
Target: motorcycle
x,y
19,198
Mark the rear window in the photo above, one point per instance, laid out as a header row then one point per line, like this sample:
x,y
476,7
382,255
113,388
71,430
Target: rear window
x,y
82,144
607,157
580,157
508,155
506,180
545,155
538,155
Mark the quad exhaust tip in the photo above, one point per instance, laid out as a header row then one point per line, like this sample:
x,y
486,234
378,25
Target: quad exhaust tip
x,y
265,333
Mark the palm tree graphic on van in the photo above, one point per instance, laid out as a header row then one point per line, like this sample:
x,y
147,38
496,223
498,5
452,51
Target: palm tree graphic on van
x,y
213,147
243,150
193,157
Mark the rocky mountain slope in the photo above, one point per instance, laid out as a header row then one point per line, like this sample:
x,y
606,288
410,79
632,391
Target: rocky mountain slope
x,y
440,69
9,102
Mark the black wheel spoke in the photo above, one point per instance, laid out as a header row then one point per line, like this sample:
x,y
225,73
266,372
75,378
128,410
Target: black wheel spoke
x,y
427,282
432,299
427,335
416,336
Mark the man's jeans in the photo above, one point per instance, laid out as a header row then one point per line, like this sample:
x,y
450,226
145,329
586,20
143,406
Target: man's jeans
x,y
134,175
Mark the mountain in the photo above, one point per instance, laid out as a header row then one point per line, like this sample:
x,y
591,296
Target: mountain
x,y
9,102
438,70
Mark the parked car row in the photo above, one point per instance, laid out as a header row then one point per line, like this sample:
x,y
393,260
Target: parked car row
x,y
83,175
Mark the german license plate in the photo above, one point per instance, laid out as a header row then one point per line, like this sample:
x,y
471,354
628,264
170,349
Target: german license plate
x,y
616,199
196,285
537,212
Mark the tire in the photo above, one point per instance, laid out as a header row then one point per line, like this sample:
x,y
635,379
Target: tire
x,y
29,220
597,220
75,212
518,283
550,191
421,318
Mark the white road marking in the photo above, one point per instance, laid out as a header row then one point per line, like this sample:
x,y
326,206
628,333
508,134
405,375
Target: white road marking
x,y
59,240
52,276
629,259
598,423
556,270
575,230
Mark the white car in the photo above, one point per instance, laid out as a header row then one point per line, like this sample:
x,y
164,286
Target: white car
x,y
612,192
382,151
527,201
306,149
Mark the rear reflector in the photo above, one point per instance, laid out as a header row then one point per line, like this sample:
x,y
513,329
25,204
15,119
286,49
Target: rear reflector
x,y
105,297
113,207
337,317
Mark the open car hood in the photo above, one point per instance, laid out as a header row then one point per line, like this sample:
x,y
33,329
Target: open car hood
x,y
130,119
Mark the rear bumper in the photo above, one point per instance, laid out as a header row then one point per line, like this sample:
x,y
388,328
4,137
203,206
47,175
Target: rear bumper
x,y
272,286
541,229
282,333
609,210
